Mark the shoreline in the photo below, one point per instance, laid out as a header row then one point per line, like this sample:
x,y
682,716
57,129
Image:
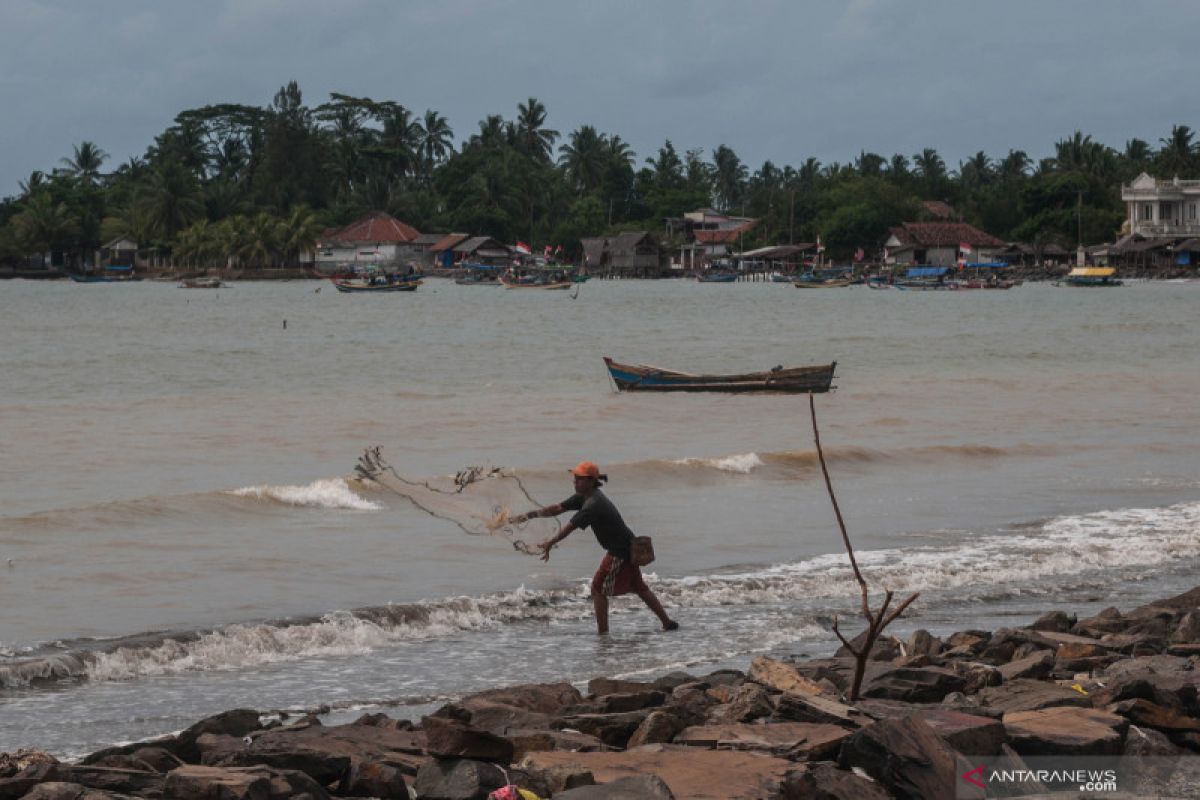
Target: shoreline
x,y
1121,686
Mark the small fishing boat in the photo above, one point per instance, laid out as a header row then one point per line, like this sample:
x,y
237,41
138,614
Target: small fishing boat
x,y
349,285
832,283
520,283
1091,276
107,275
716,277
201,283
643,378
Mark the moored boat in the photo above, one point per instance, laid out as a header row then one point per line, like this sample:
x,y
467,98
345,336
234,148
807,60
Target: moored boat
x,y
643,378
107,275
716,277
1091,276
348,286
201,283
551,284
833,283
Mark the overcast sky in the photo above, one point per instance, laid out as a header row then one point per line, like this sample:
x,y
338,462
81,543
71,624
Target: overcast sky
x,y
782,80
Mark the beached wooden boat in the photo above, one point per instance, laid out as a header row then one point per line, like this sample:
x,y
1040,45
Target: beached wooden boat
x,y
642,378
349,286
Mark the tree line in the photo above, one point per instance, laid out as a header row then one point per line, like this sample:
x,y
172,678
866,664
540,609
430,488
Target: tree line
x,y
256,185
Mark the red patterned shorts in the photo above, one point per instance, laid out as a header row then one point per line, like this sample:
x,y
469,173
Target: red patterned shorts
x,y
617,576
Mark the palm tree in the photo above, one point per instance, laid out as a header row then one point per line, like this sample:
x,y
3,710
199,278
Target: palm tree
x,y
264,236
533,138
668,169
1014,165
583,159
493,132
401,139
619,152
436,140
869,165
929,165
171,199
84,164
729,175
45,225
31,186
1178,153
298,233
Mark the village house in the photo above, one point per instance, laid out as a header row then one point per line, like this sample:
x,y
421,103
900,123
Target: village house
x,y
707,235
459,249
632,254
940,244
1162,208
377,238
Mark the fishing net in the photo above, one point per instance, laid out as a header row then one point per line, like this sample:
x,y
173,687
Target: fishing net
x,y
479,500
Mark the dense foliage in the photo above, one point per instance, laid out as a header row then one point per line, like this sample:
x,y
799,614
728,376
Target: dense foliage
x,y
255,186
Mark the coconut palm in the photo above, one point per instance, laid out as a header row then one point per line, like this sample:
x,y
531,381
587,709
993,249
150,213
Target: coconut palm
x,y
533,138
44,225
1178,153
620,153
33,184
493,132
436,140
668,168
262,247
298,233
729,177
171,199
84,164
583,158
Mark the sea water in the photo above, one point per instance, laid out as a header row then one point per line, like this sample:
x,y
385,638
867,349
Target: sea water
x,y
180,533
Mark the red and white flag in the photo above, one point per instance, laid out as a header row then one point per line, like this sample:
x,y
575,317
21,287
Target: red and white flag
x,y
964,248
859,255
546,252
523,248
820,247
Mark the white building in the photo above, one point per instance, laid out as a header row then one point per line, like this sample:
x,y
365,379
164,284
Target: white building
x,y
1162,208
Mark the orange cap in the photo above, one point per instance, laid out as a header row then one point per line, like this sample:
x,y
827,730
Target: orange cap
x,y
588,469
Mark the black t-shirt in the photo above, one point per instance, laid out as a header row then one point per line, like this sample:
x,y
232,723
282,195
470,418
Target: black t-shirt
x,y
598,513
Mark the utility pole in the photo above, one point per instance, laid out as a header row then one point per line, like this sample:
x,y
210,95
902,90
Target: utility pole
x,y
792,217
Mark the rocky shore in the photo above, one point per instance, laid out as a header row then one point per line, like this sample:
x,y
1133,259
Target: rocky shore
x,y
955,718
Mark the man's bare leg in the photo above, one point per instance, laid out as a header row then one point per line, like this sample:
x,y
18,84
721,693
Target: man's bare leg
x,y
651,600
600,605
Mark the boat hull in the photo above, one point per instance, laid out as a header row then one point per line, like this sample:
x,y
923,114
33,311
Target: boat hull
x,y
350,288
631,378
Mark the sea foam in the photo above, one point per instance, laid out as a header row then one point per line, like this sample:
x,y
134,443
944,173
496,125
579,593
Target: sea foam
x,y
333,493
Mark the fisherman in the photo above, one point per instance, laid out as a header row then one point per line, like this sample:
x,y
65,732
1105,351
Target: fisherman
x,y
617,574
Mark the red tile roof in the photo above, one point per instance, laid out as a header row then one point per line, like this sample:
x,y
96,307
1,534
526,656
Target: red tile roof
x,y
377,227
943,234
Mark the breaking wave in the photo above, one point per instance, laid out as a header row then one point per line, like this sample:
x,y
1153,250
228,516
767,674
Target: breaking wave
x,y
325,493
1030,559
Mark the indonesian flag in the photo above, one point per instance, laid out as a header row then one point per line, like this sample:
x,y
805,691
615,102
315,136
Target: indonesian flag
x,y
546,252
523,248
820,247
557,249
964,248
859,255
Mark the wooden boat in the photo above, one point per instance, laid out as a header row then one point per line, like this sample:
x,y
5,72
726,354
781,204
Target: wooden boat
x,y
201,283
1091,276
367,286
108,275
834,283
642,378
716,277
509,283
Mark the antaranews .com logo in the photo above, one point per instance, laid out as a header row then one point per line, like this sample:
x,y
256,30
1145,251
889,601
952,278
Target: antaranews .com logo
x,y
1088,776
